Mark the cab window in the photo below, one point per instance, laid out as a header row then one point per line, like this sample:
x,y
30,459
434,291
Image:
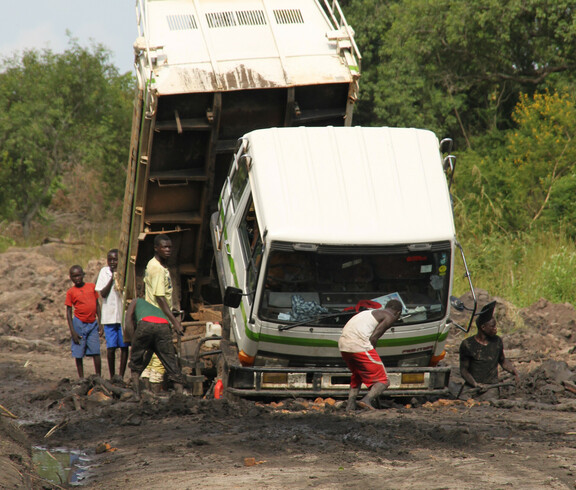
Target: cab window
x,y
239,180
251,245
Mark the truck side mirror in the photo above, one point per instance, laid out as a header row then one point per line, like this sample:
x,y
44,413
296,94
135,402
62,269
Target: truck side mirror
x,y
232,297
446,145
456,303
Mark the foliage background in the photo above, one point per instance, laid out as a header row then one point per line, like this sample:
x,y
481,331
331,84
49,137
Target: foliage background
x,y
496,76
499,78
64,131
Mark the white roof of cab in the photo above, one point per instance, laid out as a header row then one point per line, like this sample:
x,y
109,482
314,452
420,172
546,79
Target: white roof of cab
x,y
350,185
208,45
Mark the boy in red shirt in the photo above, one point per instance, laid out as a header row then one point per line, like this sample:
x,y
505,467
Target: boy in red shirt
x,y
82,313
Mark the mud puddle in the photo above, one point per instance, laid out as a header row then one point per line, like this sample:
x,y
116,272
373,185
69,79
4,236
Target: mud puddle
x,y
61,466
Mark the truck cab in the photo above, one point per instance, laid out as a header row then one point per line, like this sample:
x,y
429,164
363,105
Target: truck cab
x,y
315,224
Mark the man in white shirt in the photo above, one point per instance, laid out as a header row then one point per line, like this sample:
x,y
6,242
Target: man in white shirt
x,y
357,346
111,315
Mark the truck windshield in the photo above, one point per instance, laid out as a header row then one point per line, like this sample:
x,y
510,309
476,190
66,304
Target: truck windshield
x,y
316,285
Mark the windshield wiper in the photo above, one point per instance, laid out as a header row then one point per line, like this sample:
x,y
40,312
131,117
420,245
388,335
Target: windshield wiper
x,y
315,319
331,315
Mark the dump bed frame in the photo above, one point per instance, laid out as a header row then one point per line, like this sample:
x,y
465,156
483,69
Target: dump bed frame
x,y
208,72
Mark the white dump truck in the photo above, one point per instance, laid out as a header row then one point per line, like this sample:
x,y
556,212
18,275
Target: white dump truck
x,y
312,220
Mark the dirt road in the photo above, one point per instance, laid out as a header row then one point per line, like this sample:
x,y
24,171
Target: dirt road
x,y
186,442
527,440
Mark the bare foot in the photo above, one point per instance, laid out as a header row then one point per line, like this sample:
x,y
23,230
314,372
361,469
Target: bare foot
x,y
365,406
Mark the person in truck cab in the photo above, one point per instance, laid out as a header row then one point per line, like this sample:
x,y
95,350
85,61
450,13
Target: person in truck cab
x,y
480,356
357,346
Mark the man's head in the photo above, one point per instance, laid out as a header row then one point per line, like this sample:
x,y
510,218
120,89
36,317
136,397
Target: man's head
x,y
112,259
162,247
486,322
395,306
489,328
77,275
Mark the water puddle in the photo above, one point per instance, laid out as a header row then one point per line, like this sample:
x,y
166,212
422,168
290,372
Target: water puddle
x,y
60,465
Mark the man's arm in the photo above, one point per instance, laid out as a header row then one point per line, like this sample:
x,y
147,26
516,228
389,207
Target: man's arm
x,y
168,312
73,334
129,318
508,366
465,372
385,323
98,316
101,288
465,360
105,291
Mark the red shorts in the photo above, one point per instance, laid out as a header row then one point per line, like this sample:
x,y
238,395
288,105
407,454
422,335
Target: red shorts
x,y
366,367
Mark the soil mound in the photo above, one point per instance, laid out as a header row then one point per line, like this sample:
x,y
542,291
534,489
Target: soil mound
x,y
544,330
547,383
33,288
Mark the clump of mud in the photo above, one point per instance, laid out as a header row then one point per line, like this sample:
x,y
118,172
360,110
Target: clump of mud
x,y
549,382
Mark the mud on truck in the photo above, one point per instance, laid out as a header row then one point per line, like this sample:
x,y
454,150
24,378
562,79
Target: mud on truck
x,y
313,218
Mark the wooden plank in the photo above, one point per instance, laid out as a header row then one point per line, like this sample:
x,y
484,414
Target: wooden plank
x,y
181,174
123,253
182,217
187,338
185,124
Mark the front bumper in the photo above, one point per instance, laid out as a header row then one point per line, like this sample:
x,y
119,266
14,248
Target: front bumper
x,y
331,382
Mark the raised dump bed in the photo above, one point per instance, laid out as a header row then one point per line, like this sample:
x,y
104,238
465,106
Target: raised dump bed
x,y
209,72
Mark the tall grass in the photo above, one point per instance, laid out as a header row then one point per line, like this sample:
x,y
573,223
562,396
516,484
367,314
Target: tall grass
x,y
6,242
77,244
522,268
94,244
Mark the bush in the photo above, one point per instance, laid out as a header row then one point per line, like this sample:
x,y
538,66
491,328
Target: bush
x,y
522,268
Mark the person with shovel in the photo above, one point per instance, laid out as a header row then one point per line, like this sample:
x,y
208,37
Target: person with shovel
x,y
480,356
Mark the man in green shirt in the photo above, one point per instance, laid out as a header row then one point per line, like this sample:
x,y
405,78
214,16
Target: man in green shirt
x,y
151,327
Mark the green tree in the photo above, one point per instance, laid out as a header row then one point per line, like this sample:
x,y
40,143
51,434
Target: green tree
x,y
457,67
527,179
58,112
542,157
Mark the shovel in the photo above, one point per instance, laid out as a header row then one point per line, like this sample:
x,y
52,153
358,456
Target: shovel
x,y
179,339
484,388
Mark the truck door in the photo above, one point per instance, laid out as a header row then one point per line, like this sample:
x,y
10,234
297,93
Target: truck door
x,y
232,191
252,249
231,228
246,254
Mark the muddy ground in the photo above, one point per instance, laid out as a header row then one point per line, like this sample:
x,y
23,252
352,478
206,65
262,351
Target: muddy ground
x,y
527,440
